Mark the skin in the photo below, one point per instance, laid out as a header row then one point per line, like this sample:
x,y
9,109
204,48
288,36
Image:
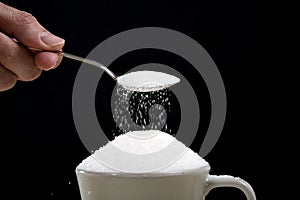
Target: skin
x,y
17,63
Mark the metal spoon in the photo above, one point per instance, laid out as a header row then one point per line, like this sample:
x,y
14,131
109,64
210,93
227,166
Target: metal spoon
x,y
141,81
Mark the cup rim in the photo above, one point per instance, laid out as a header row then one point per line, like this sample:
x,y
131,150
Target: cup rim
x,y
147,174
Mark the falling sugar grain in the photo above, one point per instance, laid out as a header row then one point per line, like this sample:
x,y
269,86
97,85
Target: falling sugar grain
x,y
134,111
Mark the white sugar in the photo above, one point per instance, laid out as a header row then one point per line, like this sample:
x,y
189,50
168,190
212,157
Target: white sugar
x,y
146,81
143,143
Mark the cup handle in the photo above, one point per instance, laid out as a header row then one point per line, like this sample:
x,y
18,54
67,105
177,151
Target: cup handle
x,y
213,181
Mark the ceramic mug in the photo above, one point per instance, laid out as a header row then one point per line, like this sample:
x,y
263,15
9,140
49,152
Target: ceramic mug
x,y
186,185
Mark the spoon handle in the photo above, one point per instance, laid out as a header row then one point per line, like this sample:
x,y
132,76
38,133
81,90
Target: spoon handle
x,y
91,62
74,57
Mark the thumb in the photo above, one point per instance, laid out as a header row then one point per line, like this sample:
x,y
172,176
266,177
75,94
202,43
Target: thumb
x,y
25,28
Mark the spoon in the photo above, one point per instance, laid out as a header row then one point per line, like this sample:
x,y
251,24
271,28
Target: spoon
x,y
141,81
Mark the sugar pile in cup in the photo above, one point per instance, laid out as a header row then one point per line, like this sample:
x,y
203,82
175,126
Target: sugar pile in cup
x,y
142,141
187,161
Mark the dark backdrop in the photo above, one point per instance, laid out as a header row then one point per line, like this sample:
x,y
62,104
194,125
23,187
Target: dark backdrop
x,y
40,147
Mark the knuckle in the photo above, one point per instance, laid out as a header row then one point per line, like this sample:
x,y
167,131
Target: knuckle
x,y
32,74
24,19
5,47
8,55
8,81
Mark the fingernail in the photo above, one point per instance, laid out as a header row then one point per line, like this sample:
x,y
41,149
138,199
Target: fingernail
x,y
55,64
51,40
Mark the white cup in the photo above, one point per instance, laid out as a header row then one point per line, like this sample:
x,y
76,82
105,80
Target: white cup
x,y
186,185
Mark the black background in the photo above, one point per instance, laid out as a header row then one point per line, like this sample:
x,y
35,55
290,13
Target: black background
x,y
40,147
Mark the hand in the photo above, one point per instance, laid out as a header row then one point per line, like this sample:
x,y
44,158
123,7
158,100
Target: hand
x,y
17,62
